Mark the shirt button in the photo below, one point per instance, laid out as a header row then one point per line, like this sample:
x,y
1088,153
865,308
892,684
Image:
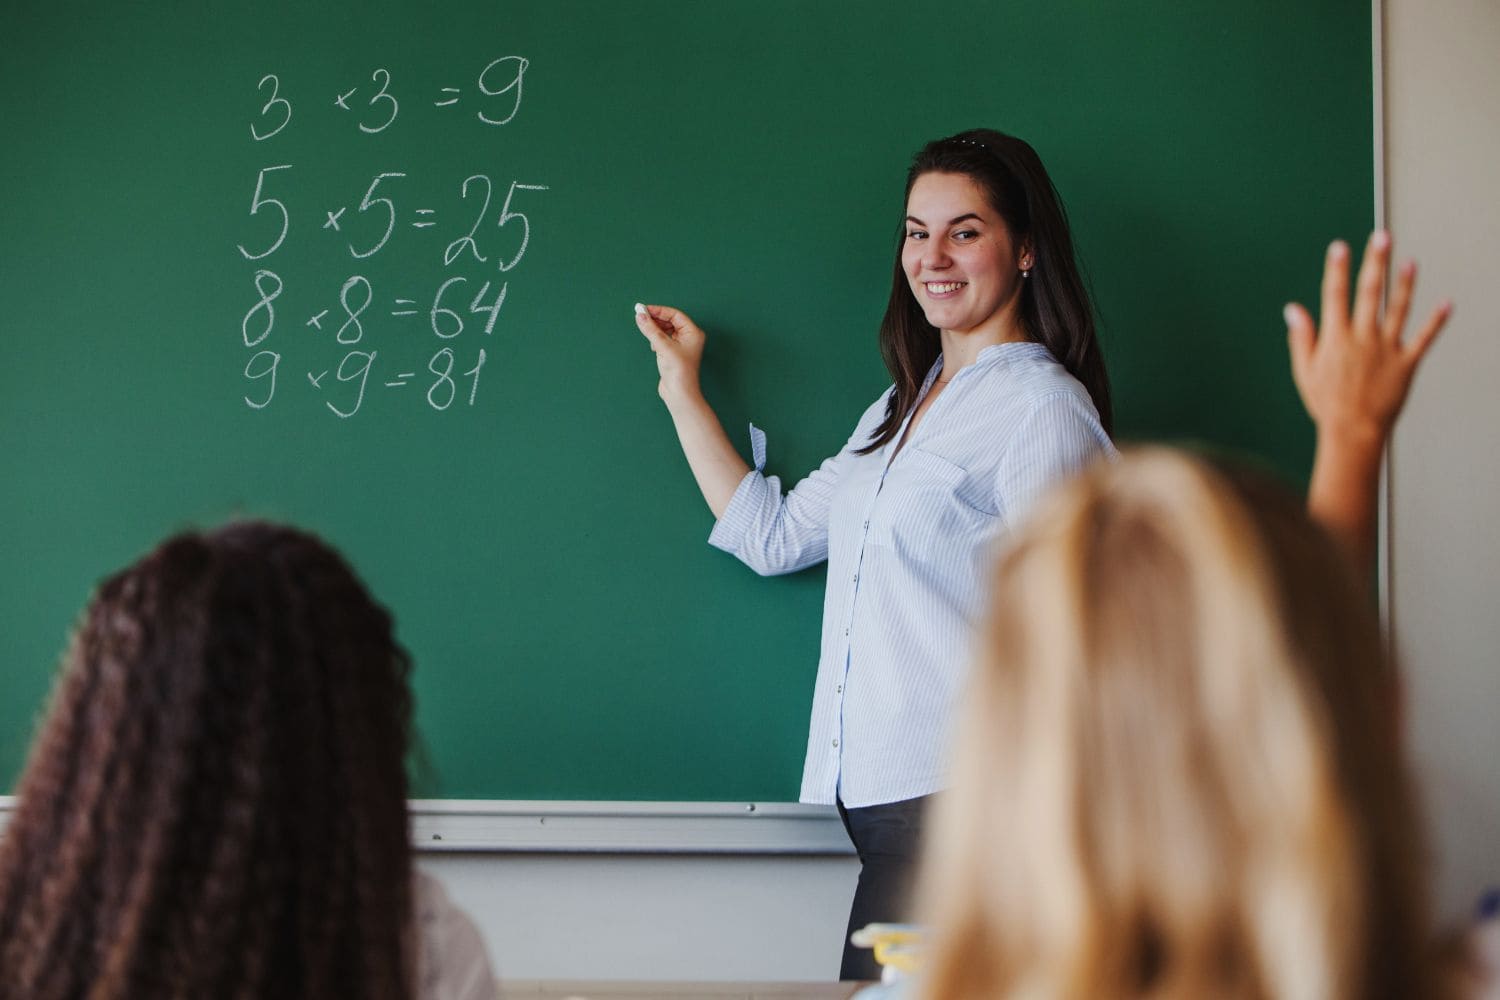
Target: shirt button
x,y
856,577
839,689
867,525
846,630
835,742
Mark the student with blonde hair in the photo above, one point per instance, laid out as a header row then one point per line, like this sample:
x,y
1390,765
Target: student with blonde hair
x,y
1179,772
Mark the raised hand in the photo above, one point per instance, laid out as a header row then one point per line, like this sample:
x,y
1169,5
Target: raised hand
x,y
1353,372
678,344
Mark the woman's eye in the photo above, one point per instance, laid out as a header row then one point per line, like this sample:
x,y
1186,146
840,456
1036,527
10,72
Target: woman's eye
x,y
965,235
916,234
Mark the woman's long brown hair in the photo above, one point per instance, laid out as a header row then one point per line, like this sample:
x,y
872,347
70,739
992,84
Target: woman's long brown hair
x,y
1056,311
216,804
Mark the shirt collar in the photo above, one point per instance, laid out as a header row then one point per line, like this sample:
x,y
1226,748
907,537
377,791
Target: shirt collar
x,y
1013,350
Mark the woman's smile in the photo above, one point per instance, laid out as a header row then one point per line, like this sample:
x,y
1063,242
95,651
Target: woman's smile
x,y
960,258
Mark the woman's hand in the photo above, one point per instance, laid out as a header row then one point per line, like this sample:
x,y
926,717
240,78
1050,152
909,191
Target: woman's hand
x,y
678,344
1353,374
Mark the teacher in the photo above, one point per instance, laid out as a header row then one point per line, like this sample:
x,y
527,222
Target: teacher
x,y
999,389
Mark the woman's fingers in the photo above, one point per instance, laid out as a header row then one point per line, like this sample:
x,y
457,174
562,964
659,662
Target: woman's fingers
x,y
643,318
665,321
678,346
1429,332
1336,288
1399,306
648,329
1371,285
677,321
1302,338
651,328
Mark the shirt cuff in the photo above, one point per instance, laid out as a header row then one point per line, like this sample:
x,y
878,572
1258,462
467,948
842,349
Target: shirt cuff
x,y
729,530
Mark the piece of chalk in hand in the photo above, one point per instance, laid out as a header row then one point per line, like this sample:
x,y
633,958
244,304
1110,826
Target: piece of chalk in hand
x,y
639,308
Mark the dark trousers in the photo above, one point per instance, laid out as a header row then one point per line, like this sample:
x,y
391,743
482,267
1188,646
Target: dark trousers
x,y
886,838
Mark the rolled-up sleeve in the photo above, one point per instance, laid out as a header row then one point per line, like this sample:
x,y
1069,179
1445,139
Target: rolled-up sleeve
x,y
774,533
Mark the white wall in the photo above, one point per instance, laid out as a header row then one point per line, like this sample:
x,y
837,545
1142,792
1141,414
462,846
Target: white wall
x,y
693,917
695,891
1442,97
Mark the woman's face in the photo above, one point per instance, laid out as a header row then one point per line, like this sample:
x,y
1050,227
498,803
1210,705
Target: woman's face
x,y
963,267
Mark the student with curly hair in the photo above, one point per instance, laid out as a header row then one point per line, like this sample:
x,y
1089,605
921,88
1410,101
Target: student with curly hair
x,y
216,804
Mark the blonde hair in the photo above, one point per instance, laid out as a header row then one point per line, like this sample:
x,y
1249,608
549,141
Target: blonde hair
x,y
1177,774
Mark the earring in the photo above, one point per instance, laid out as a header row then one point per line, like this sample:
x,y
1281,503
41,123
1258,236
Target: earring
x,y
1026,273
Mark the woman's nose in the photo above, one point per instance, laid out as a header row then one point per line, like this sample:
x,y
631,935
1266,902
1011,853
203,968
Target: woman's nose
x,y
935,255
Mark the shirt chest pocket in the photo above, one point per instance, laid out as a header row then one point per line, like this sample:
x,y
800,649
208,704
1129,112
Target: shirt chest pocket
x,y
931,511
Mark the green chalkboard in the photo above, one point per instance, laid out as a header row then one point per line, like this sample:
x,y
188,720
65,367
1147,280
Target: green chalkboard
x,y
194,194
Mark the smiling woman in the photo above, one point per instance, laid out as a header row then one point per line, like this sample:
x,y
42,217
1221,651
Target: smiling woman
x,y
999,390
966,271
991,216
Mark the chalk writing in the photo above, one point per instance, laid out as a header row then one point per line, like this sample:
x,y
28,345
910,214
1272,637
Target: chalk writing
x,y
266,300
267,370
507,217
360,372
445,388
367,203
457,246
516,65
382,96
369,348
354,336
257,203
275,100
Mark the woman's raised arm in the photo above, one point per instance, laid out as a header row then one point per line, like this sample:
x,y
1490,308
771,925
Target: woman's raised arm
x,y
678,344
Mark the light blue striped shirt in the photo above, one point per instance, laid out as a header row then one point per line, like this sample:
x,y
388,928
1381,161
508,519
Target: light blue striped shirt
x,y
908,543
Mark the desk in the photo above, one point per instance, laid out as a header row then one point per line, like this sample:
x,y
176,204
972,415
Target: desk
x,y
552,989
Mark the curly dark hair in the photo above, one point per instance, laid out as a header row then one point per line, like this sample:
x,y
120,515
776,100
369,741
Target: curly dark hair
x,y
216,804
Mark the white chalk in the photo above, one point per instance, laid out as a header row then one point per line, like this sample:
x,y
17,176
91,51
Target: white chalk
x,y
639,308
